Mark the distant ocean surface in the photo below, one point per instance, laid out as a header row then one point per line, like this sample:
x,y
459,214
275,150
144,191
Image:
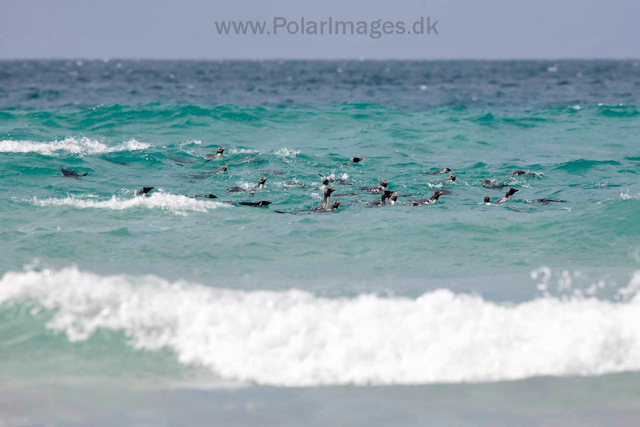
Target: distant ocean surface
x,y
100,284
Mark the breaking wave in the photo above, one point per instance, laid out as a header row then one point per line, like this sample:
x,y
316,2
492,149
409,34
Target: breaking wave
x,y
169,202
294,338
82,146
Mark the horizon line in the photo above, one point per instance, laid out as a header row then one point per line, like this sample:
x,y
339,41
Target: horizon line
x,y
275,59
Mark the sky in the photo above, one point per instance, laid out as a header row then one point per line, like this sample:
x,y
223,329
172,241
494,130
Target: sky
x,y
186,29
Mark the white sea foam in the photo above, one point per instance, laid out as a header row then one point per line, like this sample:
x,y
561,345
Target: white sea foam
x,y
245,185
334,177
627,196
623,196
283,152
294,338
243,151
286,152
80,146
191,142
159,200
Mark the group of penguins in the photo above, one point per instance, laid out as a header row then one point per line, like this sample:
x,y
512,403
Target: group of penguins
x,y
387,197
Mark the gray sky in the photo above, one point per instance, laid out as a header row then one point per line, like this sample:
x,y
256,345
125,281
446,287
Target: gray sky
x,y
185,29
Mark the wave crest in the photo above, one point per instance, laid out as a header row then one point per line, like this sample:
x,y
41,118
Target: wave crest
x,y
170,202
82,146
294,338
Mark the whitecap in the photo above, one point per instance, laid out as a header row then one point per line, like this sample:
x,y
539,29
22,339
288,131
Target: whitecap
x,y
294,338
82,146
159,200
288,153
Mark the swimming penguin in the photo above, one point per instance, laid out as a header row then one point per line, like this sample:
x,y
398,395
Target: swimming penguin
x,y
487,200
260,186
452,178
144,190
345,195
206,196
70,173
325,203
393,199
386,194
355,160
379,188
259,204
507,196
220,170
434,198
334,207
445,170
203,175
215,155
261,183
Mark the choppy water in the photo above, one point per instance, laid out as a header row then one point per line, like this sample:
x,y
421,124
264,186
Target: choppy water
x,y
98,280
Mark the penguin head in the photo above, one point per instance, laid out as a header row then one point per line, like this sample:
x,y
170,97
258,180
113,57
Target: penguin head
x,y
356,159
446,170
511,192
336,204
487,199
383,183
328,191
220,150
261,181
224,168
452,177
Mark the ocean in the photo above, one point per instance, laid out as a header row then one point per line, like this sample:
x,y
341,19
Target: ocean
x,y
171,309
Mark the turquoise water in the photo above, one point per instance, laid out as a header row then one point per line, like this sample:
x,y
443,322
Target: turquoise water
x,y
175,288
